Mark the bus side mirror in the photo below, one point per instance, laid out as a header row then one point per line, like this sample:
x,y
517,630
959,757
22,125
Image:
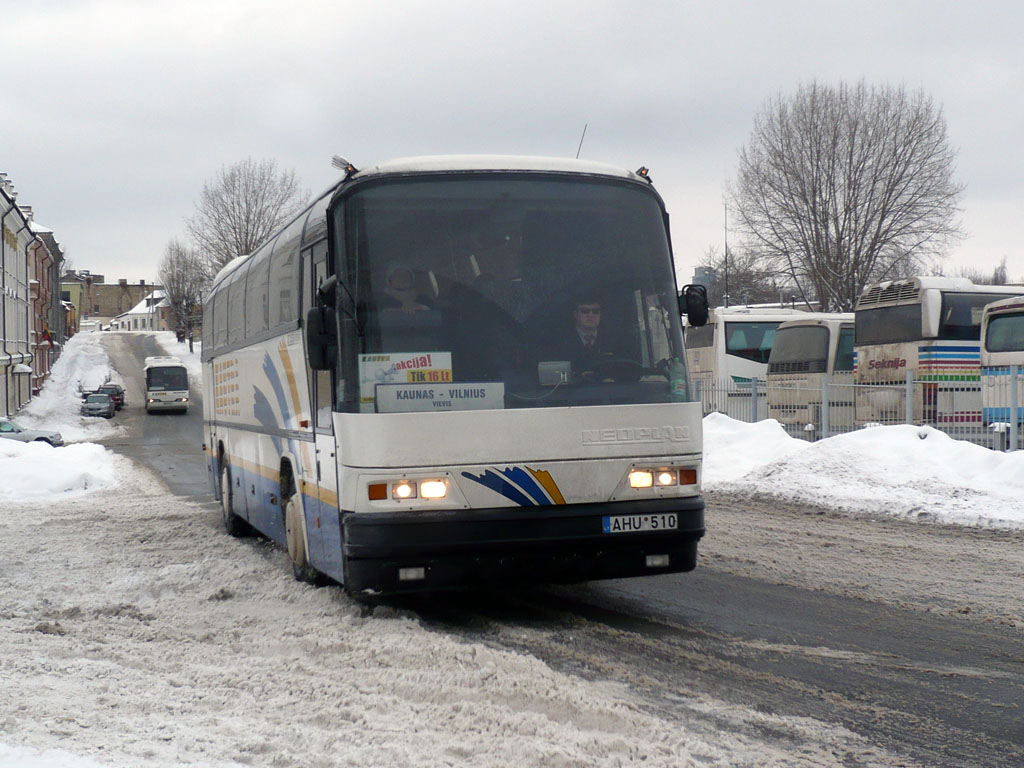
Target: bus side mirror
x,y
321,339
693,302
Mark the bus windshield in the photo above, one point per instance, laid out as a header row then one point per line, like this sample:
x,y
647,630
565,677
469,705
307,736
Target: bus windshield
x,y
750,340
1005,333
803,344
886,325
961,314
173,378
506,291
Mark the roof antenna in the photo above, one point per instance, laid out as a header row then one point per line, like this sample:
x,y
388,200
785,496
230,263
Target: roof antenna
x,y
581,141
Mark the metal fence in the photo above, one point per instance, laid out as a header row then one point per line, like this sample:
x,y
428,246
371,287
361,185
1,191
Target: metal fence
x,y
976,411
1002,397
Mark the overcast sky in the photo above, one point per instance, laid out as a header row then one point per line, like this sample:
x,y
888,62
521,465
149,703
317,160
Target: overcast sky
x,y
115,112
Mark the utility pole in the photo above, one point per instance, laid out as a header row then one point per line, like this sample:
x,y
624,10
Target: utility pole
x,y
725,295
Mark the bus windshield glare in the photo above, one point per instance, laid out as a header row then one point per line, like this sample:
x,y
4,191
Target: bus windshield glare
x,y
169,378
494,291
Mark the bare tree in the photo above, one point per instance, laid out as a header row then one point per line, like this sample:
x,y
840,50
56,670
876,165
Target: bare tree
x,y
240,208
978,276
185,276
840,187
744,278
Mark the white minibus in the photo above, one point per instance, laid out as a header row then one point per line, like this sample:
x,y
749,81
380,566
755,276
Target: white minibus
x,y
166,384
729,352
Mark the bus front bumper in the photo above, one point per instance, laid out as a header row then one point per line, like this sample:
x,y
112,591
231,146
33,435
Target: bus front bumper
x,y
157,404
387,553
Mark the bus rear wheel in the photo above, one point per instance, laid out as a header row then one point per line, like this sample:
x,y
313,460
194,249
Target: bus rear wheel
x,y
295,535
233,524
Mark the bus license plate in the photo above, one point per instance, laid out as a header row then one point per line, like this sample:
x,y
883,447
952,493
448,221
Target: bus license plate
x,y
637,523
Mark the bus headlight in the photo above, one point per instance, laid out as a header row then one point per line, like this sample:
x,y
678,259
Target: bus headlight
x,y
665,477
641,478
662,477
403,490
433,489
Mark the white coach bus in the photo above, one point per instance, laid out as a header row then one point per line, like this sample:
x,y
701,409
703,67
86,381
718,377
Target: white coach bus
x,y
736,342
731,350
394,389
807,353
1002,359
166,384
930,326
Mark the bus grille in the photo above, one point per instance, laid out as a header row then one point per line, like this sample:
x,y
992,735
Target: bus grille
x,y
803,366
893,293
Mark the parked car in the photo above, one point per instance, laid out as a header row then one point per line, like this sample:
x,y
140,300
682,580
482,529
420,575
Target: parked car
x,y
116,392
98,404
12,431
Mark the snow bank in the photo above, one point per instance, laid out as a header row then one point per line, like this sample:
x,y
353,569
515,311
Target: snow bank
x,y
733,449
83,365
903,471
37,470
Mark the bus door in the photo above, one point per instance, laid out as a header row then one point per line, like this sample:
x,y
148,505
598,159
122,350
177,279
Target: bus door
x,y
325,523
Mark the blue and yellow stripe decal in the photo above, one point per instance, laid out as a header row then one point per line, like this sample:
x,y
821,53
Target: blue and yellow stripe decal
x,y
525,486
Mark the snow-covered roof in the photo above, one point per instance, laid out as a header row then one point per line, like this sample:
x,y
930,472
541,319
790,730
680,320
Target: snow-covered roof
x,y
945,284
147,304
435,163
756,314
833,319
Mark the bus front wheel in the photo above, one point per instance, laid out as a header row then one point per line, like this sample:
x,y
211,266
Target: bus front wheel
x,y
295,536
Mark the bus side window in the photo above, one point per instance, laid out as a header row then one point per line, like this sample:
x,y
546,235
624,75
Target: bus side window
x,y
314,270
220,318
257,313
207,331
236,305
284,279
844,350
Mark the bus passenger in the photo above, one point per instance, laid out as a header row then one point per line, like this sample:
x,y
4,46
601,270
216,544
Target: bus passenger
x,y
501,278
400,292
